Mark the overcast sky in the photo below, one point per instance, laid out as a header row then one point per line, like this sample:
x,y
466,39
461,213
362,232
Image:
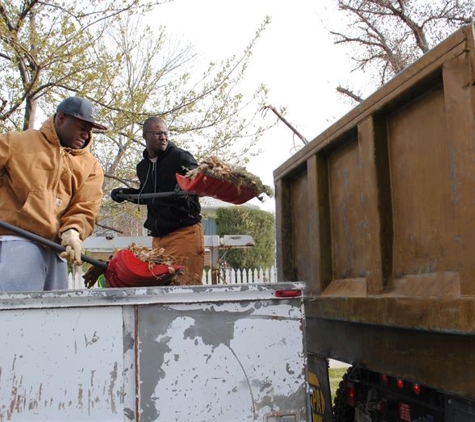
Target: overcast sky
x,y
295,58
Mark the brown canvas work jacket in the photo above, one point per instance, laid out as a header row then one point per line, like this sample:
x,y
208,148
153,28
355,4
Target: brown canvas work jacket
x,y
46,188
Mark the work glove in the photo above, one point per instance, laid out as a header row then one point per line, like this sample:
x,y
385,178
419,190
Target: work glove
x,y
177,194
71,241
114,193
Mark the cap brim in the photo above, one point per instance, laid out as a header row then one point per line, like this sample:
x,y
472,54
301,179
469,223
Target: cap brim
x,y
94,124
98,126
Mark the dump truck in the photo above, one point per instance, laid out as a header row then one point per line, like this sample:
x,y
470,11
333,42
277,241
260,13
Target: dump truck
x,y
377,216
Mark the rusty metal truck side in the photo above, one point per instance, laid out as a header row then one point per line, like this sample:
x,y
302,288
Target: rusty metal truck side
x,y
377,216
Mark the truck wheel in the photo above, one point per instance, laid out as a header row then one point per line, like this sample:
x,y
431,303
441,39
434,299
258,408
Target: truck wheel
x,y
342,412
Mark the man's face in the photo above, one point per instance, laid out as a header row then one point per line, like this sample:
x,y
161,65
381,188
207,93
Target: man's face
x,y
72,132
156,138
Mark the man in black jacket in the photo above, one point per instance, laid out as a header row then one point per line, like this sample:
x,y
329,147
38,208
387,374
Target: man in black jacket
x,y
174,221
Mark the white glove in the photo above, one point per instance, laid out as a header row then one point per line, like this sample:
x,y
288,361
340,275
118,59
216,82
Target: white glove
x,y
71,241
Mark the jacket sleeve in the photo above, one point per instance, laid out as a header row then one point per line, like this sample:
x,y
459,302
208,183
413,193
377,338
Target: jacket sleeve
x,y
4,150
188,162
133,191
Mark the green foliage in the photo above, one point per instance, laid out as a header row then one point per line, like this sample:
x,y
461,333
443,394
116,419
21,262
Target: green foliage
x,y
335,375
247,221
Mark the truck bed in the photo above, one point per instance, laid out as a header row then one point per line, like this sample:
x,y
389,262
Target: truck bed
x,y
377,216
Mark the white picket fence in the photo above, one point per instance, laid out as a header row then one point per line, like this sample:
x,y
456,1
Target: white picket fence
x,y
231,276
226,276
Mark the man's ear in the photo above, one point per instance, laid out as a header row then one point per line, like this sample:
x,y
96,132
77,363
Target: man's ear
x,y
60,117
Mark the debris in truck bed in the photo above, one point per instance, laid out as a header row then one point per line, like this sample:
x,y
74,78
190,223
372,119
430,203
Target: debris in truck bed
x,y
224,181
151,257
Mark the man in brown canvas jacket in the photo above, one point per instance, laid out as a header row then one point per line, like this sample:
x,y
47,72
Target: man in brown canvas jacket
x,y
50,185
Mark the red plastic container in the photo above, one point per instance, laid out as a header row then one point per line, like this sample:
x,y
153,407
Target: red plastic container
x,y
126,270
205,185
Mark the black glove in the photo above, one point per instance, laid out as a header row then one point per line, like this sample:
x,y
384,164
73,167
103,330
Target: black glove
x,y
177,194
115,192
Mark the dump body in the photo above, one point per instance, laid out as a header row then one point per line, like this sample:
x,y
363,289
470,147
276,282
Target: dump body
x,y
224,353
377,216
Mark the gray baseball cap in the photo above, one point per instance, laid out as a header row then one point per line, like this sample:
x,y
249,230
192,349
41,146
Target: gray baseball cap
x,y
80,108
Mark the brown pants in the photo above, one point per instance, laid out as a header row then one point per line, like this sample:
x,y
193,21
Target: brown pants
x,y
187,246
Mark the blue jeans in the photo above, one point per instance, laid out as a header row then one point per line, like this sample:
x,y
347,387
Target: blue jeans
x,y
26,267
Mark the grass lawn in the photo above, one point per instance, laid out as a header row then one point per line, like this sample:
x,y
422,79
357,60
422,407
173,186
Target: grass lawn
x,y
335,375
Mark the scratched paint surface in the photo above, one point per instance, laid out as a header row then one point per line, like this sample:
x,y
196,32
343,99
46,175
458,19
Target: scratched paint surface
x,y
221,353
61,365
228,362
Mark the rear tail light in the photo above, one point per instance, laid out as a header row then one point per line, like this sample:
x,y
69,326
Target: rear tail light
x,y
288,293
416,388
351,394
384,379
400,383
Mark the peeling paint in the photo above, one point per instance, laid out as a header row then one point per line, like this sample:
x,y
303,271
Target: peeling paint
x,y
229,356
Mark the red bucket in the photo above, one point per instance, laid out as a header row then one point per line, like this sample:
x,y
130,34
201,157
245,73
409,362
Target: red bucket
x,y
126,270
205,185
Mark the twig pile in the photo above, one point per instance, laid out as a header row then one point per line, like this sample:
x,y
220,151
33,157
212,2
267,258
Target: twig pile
x,y
153,257
238,176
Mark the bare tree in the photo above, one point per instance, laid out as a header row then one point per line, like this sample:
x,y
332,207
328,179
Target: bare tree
x,y
385,36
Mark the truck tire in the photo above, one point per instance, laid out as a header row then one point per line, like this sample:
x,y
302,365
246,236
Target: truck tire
x,y
342,412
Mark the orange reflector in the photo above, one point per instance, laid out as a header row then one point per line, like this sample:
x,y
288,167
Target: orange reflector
x,y
288,293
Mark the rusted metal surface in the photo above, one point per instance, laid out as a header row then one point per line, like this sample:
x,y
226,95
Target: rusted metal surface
x,y
376,214
439,359
154,354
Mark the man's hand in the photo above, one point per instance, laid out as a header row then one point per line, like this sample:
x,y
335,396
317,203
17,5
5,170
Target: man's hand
x,y
115,192
71,241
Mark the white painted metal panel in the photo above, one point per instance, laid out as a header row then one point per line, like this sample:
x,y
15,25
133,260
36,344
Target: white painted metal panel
x,y
62,365
235,362
222,353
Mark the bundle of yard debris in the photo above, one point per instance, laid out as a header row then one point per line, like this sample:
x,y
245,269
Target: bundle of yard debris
x,y
135,266
223,181
153,257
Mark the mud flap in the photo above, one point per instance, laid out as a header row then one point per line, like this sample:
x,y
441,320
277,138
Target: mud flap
x,y
319,386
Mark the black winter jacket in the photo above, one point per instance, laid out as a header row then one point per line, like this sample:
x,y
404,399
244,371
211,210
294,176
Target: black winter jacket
x,y
166,214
